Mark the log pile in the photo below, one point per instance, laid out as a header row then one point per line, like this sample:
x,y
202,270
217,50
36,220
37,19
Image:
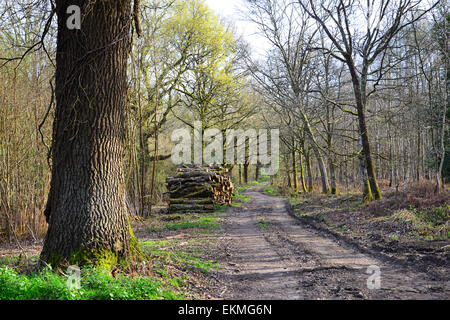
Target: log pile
x,y
197,189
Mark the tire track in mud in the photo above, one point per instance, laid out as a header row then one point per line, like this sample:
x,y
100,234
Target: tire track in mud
x,y
271,255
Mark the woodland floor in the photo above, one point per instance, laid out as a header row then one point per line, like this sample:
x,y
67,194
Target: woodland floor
x,y
313,247
272,254
269,248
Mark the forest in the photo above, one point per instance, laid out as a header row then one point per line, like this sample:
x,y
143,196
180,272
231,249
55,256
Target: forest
x,y
338,172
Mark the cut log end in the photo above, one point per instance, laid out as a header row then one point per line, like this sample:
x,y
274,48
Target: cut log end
x,y
199,189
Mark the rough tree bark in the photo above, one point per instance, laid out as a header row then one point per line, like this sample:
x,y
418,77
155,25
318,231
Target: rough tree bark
x,y
246,164
86,209
359,86
309,171
295,169
302,172
257,167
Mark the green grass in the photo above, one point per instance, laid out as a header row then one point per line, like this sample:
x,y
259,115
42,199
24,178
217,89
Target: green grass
x,y
202,223
270,190
263,223
165,280
240,197
318,217
167,258
342,227
96,284
430,224
251,184
13,260
163,254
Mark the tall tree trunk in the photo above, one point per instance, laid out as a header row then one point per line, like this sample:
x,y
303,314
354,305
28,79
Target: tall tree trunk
x,y
359,92
246,172
346,175
156,138
86,209
442,150
323,172
286,162
391,160
367,192
257,167
419,153
295,170
330,158
320,162
142,147
240,174
152,185
333,177
302,172
309,171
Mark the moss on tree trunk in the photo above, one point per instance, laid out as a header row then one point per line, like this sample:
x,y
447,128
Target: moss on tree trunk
x,y
86,209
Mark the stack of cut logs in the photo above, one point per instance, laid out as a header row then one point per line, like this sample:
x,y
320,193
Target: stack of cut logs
x,y
196,189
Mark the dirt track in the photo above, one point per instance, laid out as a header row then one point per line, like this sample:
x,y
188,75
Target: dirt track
x,y
269,254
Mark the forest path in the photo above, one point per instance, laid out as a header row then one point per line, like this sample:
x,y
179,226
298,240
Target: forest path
x,y
269,254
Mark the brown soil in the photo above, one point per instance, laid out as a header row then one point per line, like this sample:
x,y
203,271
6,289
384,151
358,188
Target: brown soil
x,y
375,231
267,253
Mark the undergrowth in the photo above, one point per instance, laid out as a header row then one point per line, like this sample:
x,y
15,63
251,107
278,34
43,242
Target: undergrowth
x,y
429,224
95,284
162,276
163,254
204,221
263,223
239,197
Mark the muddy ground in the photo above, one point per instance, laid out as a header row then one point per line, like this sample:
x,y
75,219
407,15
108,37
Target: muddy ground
x,y
268,253
375,228
267,248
